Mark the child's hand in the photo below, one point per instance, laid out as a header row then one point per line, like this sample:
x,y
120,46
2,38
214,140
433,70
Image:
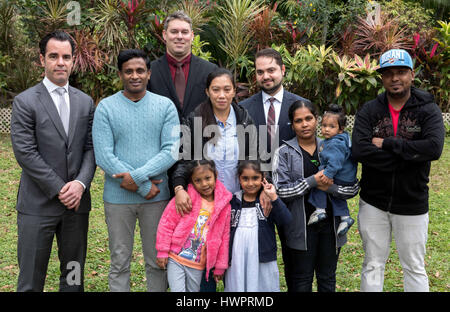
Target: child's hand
x,y
218,278
269,190
162,262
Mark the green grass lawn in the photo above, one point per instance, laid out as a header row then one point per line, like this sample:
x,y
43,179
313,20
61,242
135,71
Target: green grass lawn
x,y
97,262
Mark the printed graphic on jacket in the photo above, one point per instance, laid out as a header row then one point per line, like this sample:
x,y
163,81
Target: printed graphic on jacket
x,y
408,126
193,247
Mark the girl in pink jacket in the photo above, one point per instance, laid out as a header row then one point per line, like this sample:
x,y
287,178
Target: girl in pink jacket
x,y
188,244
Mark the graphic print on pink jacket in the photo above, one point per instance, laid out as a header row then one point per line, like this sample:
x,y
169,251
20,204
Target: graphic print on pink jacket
x,y
173,230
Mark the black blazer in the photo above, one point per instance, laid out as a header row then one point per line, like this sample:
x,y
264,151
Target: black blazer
x,y
161,83
255,108
48,157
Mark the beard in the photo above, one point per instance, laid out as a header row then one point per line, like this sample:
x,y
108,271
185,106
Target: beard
x,y
270,90
398,95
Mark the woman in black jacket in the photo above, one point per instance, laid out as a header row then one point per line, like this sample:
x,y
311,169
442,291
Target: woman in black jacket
x,y
217,129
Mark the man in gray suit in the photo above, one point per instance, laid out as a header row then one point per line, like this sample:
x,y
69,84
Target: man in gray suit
x,y
51,138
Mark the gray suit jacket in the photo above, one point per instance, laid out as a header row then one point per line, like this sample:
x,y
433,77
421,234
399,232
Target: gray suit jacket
x,y
49,158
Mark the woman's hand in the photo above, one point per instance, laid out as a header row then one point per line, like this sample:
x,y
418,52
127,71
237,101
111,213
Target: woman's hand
x,y
162,262
183,202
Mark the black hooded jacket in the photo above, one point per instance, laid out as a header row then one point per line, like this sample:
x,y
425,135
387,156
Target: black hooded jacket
x,y
395,177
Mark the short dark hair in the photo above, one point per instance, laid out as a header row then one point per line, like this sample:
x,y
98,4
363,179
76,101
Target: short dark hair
x,y
59,35
126,55
299,104
181,15
337,110
271,53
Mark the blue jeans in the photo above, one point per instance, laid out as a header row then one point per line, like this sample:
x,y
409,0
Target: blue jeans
x,y
320,258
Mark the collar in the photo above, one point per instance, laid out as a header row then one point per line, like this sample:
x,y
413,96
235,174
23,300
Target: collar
x,y
172,61
278,96
231,120
52,87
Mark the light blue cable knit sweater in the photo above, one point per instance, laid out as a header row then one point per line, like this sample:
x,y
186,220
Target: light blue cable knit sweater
x,y
141,138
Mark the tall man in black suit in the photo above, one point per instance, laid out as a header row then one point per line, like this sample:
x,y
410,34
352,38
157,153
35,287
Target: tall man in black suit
x,y
178,74
51,138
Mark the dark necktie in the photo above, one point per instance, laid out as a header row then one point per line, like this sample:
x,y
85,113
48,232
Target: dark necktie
x,y
271,119
180,83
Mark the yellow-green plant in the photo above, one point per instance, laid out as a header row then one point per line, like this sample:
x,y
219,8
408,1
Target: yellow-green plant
x,y
197,50
356,80
197,11
233,21
307,72
108,22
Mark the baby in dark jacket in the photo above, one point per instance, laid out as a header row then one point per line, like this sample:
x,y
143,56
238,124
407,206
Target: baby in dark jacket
x,y
336,166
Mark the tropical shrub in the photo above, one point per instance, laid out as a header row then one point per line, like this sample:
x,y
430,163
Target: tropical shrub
x,y
307,72
357,80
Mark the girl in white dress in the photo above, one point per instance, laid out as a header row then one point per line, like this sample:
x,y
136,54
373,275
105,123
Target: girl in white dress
x,y
253,247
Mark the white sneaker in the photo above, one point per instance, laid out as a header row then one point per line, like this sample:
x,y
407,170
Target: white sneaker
x,y
316,216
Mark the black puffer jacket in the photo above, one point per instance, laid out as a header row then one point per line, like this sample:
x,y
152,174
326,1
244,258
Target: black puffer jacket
x,y
180,172
395,177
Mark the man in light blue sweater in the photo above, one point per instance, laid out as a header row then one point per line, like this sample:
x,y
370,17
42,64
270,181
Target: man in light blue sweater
x,y
136,139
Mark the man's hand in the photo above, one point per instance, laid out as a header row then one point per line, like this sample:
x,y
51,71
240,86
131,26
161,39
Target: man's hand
x,y
378,142
154,190
70,194
162,262
127,182
183,202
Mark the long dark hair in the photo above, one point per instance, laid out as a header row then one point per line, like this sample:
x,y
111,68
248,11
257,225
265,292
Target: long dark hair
x,y
206,109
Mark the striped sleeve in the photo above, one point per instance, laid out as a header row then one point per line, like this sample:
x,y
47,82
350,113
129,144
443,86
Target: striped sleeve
x,y
281,178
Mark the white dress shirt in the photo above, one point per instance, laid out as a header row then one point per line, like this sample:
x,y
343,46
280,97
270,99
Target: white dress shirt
x,y
51,87
276,104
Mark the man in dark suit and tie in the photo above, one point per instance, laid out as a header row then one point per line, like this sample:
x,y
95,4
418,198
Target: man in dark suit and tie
x,y
51,137
178,74
270,106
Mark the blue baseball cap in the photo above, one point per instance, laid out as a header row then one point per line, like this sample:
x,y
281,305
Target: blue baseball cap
x,y
395,57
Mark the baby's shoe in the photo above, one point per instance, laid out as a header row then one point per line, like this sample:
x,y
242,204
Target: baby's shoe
x,y
317,216
344,226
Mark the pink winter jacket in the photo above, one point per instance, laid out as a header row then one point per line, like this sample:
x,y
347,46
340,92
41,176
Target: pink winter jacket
x,y
173,230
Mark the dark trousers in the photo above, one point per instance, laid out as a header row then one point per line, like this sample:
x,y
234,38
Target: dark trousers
x,y
34,245
210,285
320,258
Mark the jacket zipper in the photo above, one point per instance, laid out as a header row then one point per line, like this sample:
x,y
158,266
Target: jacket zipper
x,y
392,192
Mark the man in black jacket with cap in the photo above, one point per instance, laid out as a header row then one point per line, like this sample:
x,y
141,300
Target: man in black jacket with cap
x,y
395,137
